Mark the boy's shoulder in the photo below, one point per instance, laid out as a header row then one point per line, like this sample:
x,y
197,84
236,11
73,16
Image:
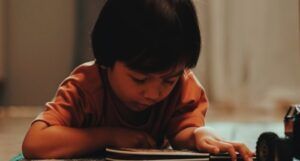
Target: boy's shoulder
x,y
187,73
191,87
86,75
86,68
190,78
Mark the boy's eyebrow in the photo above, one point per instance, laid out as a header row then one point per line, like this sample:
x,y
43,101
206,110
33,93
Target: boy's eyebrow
x,y
173,75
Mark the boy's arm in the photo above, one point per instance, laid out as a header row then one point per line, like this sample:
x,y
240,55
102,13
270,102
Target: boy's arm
x,y
188,138
204,139
187,130
43,141
184,139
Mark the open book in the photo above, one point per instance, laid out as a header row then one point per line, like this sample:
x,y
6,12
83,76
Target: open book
x,y
125,154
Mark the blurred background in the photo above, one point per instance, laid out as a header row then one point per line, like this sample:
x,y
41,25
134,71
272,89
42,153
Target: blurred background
x,y
250,56
249,62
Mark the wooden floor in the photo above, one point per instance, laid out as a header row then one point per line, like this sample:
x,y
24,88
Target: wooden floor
x,y
243,126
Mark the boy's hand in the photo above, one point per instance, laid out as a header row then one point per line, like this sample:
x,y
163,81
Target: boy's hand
x,y
127,138
206,140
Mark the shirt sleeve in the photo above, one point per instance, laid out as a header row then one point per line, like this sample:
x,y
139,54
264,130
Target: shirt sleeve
x,y
66,107
191,109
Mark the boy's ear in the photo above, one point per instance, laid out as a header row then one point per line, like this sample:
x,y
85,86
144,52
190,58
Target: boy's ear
x,y
108,67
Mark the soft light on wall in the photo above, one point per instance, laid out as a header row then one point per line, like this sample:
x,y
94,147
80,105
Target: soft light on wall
x,y
2,37
251,52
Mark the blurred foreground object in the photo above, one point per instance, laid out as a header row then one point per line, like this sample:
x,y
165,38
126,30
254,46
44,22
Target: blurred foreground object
x,y
270,147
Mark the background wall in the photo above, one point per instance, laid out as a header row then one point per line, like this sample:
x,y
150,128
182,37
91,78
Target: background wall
x,y
252,53
40,49
249,58
87,13
2,37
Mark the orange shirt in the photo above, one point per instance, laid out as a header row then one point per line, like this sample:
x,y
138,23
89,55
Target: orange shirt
x,y
85,99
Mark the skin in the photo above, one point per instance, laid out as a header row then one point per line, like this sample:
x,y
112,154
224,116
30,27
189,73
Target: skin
x,y
137,91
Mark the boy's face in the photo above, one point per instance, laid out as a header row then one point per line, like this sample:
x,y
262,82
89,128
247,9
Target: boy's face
x,y
138,90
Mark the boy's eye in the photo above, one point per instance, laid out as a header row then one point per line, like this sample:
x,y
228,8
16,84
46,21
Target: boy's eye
x,y
138,80
170,82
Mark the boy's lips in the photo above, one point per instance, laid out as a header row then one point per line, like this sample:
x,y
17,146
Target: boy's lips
x,y
137,106
142,106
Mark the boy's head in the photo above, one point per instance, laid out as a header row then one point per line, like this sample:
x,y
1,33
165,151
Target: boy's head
x,y
149,36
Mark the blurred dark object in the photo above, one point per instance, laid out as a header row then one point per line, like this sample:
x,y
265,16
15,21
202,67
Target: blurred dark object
x,y
270,147
1,91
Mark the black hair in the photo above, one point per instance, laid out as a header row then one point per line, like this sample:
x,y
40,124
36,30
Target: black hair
x,y
147,35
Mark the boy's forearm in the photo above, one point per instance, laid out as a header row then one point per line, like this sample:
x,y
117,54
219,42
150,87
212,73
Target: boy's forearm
x,y
64,142
184,139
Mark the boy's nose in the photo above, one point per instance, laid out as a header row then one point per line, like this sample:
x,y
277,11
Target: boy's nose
x,y
152,95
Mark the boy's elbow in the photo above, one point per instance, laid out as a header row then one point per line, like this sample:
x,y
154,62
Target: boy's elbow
x,y
33,144
33,147
26,150
31,151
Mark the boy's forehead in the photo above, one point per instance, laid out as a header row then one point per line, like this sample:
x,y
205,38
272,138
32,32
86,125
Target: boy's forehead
x,y
176,70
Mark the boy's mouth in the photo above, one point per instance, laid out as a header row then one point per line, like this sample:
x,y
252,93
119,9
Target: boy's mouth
x,y
139,106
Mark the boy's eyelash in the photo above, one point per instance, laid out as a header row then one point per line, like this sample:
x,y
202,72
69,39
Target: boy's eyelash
x,y
140,81
169,82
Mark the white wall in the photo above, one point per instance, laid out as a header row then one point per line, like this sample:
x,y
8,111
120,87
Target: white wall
x,y
252,51
40,49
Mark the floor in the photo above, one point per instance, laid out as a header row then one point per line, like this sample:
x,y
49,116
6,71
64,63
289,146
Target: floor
x,y
242,125
14,122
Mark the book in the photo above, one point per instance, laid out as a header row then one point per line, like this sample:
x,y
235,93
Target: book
x,y
123,154
132,154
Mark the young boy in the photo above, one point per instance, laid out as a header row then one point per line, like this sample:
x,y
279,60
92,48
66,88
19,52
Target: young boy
x,y
139,92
